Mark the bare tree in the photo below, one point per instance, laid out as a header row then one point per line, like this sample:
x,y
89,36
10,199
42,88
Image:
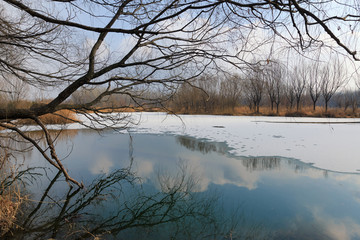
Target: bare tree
x,y
270,86
334,78
354,101
290,94
230,91
274,75
197,96
254,87
298,84
347,98
315,78
130,47
15,90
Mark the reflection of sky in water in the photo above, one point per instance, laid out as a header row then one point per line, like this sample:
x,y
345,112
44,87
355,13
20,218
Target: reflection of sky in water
x,y
283,194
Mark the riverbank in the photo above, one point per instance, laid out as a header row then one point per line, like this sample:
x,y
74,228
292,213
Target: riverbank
x,y
319,112
69,116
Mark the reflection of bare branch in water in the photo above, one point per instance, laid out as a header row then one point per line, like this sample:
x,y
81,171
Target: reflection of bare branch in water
x,y
24,142
12,174
119,206
271,163
14,142
298,168
20,149
194,144
58,135
261,163
301,167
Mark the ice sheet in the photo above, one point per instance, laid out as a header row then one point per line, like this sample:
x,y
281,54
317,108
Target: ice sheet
x,y
331,144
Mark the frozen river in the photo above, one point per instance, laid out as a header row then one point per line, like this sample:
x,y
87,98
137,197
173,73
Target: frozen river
x,y
330,144
250,178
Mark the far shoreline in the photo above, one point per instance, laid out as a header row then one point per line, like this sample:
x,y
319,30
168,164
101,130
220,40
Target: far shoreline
x,y
266,111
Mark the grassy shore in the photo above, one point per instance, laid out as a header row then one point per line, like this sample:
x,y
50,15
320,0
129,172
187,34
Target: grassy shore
x,y
245,111
285,112
67,116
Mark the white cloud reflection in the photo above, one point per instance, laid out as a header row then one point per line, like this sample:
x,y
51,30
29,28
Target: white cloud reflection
x,y
102,165
337,228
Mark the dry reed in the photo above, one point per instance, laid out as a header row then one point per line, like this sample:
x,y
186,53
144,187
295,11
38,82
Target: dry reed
x,y
59,117
10,196
283,111
9,206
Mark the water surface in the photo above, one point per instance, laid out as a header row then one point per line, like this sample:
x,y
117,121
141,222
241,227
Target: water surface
x,y
220,195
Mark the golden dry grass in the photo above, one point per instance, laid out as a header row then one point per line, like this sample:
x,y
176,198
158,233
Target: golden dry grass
x,y
21,104
59,117
283,111
10,197
9,206
321,113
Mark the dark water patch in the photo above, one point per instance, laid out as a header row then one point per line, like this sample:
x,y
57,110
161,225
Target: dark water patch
x,y
203,146
277,136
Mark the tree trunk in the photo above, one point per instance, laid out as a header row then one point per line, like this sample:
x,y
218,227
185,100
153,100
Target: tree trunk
x,y
297,105
326,105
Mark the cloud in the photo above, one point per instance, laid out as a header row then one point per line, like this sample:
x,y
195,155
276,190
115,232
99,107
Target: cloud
x,y
337,228
206,171
103,52
101,165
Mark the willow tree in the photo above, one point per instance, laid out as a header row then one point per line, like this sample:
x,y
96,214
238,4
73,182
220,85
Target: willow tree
x,y
334,78
275,84
127,47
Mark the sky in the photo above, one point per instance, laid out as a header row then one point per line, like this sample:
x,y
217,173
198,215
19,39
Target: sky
x,y
116,45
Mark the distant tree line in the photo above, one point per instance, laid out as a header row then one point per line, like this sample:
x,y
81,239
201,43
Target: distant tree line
x,y
270,85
